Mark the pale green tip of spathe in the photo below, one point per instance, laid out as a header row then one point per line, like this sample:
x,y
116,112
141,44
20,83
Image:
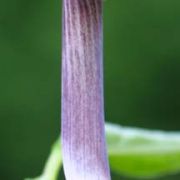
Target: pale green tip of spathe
x,y
132,152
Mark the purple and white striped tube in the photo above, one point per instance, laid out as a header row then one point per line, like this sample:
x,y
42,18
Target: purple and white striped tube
x,y
83,135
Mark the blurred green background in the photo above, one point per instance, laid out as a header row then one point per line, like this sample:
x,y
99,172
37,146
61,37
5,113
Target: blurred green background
x,y
142,75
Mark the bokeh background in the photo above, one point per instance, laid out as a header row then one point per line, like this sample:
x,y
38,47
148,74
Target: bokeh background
x,y
141,65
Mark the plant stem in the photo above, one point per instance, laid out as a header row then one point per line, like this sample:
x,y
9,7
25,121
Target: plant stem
x,y
83,136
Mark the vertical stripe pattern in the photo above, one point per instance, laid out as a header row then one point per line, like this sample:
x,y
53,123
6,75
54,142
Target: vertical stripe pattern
x,y
83,136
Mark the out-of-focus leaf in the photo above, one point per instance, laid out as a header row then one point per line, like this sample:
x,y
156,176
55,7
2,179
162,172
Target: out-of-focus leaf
x,y
53,164
132,152
143,153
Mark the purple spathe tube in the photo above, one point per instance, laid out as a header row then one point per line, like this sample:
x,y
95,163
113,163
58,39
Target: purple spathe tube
x,y
83,135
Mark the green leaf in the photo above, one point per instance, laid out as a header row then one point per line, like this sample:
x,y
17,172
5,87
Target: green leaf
x,y
132,152
143,153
